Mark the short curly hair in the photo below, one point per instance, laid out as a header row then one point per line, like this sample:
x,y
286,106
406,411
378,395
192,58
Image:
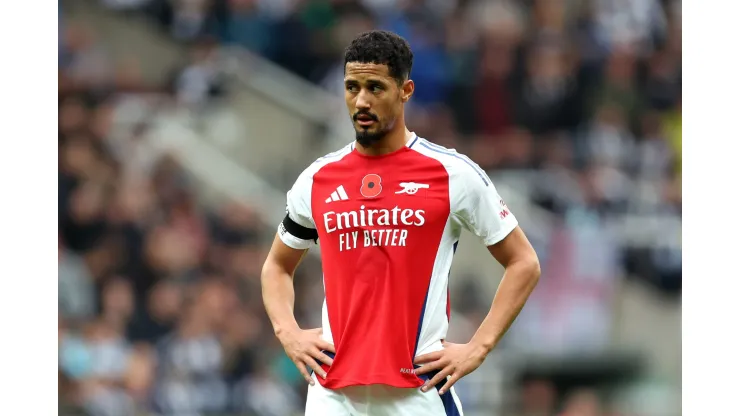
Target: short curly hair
x,y
383,48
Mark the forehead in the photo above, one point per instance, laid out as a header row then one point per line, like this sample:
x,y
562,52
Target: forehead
x,y
357,71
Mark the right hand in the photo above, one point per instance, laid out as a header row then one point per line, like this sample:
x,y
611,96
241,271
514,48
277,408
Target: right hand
x,y
304,348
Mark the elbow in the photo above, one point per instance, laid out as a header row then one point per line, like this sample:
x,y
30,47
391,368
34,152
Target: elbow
x,y
273,269
533,269
269,268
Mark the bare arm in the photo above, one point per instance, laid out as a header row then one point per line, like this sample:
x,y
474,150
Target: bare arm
x,y
522,273
277,285
302,346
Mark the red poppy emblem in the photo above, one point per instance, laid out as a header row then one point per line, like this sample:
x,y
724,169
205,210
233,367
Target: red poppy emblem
x,y
371,186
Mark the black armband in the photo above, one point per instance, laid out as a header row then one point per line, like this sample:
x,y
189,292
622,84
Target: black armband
x,y
297,230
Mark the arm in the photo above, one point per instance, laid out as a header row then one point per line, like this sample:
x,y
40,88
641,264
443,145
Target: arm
x,y
522,273
303,347
296,234
277,285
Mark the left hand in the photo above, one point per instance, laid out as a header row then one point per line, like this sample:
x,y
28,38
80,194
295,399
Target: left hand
x,y
455,360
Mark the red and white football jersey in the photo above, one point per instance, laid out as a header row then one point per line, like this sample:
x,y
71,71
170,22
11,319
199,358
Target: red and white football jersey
x,y
388,227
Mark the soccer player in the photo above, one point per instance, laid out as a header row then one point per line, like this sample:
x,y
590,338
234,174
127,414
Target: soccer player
x,y
387,211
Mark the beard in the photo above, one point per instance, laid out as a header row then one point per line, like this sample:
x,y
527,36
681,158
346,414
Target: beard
x,y
366,138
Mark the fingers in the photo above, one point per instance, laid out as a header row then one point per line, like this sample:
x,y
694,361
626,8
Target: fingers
x,y
307,352
450,381
302,368
427,358
315,367
323,358
323,345
320,343
436,365
437,379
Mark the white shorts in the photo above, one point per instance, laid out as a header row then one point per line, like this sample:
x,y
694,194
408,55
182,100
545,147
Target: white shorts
x,y
380,400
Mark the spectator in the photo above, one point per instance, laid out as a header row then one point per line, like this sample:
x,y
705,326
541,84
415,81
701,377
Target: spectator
x,y
538,398
637,23
199,81
548,97
246,27
190,360
159,316
431,73
663,86
266,395
86,62
494,92
189,19
582,403
619,86
76,288
610,142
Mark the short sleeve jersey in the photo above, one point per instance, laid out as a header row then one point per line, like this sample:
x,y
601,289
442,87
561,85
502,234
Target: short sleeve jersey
x,y
388,227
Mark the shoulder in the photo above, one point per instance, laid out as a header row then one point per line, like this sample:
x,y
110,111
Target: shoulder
x,y
323,161
458,165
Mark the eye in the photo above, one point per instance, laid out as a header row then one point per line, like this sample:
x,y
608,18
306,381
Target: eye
x,y
376,88
352,88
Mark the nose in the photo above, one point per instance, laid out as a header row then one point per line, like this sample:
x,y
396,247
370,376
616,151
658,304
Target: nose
x,y
363,100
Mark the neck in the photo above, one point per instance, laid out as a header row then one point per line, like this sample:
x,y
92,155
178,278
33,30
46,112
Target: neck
x,y
393,141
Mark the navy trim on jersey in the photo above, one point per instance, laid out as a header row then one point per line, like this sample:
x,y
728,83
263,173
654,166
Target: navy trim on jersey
x,y
414,141
449,307
439,149
448,401
424,308
327,353
421,320
299,231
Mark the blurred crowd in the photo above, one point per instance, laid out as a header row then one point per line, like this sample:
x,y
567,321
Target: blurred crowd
x,y
586,92
159,297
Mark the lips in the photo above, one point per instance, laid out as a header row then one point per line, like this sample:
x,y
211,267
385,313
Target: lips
x,y
364,119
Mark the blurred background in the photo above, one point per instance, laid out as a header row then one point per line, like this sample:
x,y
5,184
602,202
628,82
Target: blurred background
x,y
182,123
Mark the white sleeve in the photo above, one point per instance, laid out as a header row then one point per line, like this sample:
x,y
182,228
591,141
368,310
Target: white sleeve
x,y
480,208
297,230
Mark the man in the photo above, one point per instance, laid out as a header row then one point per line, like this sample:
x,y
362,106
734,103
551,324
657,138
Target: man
x,y
388,210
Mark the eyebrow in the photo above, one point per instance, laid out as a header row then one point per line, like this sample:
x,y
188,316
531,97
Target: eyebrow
x,y
367,81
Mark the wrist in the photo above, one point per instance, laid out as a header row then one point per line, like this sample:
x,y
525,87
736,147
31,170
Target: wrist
x,y
282,329
482,345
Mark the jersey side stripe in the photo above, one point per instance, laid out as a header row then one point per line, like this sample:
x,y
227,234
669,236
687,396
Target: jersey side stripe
x,y
421,320
464,158
449,308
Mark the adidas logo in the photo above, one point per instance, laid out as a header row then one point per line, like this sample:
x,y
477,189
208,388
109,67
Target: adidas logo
x,y
338,195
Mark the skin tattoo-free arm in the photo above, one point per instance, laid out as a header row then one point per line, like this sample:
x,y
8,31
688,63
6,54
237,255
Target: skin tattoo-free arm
x,y
522,273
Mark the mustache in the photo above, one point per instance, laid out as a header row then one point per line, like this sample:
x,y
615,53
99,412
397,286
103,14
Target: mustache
x,y
364,113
